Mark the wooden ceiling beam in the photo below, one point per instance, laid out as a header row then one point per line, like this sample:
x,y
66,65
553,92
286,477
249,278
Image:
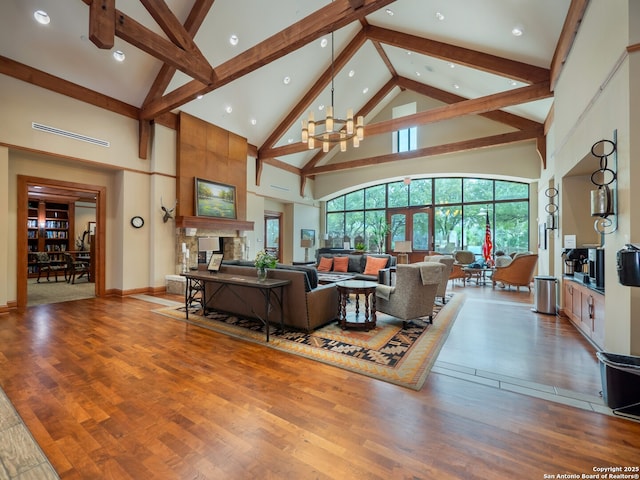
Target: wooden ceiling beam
x,y
102,23
447,112
192,25
334,16
459,55
462,146
196,66
567,36
506,118
170,25
472,106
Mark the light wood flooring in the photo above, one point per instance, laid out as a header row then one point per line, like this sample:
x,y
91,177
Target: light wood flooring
x,y
111,390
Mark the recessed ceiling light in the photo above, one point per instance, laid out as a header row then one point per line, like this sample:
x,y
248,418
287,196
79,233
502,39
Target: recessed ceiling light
x,y
365,90
199,97
321,106
253,121
324,42
351,73
456,86
286,80
513,83
41,17
418,73
517,31
439,16
119,55
233,40
389,12
228,109
409,52
290,140
452,65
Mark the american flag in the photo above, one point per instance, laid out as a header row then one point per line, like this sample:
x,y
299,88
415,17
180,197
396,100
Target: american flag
x,y
487,245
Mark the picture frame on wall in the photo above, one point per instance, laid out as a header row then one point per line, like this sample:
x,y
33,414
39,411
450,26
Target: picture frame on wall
x,y
307,237
213,199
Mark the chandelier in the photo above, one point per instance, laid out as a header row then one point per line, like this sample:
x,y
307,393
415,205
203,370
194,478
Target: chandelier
x,y
331,131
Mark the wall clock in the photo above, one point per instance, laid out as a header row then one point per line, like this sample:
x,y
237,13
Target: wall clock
x,y
137,221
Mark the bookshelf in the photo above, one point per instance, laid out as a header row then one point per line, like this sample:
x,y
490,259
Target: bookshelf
x,y
49,229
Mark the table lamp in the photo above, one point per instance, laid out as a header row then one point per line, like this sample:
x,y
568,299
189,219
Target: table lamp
x,y
306,243
402,248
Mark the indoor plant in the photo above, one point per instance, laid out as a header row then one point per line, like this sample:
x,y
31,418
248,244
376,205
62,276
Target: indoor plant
x,y
263,261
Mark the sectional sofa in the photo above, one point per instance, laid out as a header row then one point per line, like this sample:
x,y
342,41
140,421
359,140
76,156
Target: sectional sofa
x,y
306,305
356,264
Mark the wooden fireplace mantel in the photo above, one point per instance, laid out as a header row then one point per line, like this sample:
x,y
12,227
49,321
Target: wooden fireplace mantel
x,y
213,223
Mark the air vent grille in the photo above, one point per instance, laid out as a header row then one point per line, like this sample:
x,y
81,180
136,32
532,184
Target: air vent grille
x,y
72,135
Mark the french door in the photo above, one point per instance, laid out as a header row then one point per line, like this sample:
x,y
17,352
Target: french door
x,y
272,237
411,224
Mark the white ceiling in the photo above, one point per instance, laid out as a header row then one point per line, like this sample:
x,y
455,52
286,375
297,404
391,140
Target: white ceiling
x,y
62,49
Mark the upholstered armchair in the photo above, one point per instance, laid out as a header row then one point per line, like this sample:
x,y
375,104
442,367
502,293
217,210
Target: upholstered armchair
x,y
45,264
447,261
414,293
518,273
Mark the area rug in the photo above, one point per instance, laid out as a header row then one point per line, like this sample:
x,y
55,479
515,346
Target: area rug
x,y
390,353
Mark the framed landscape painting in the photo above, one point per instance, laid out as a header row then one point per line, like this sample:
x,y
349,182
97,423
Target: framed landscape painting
x,y
215,199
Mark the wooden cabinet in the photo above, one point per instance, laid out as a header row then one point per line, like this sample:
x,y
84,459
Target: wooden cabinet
x,y
49,229
585,308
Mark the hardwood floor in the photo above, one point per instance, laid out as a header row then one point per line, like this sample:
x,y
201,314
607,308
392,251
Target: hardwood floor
x,y
111,390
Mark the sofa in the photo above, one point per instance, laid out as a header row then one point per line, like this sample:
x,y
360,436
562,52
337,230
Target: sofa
x,y
306,305
356,264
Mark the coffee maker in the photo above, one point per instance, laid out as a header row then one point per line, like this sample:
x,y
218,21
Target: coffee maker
x,y
596,267
573,260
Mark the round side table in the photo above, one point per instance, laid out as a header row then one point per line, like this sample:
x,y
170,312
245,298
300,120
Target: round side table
x,y
361,320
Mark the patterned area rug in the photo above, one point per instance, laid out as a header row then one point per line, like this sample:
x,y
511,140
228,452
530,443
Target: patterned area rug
x,y
388,352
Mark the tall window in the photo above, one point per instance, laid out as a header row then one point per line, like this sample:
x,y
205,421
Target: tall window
x,y
406,139
441,214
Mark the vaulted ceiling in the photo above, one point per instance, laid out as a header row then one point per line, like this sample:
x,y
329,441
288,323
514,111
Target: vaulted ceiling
x,y
179,57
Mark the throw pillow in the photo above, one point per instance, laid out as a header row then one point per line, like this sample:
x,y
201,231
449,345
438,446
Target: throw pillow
x,y
325,264
340,264
374,264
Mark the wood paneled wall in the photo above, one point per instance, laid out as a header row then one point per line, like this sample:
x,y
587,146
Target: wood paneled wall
x,y
212,153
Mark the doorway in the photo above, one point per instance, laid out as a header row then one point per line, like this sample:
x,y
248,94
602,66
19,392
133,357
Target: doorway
x,y
414,225
272,236
56,236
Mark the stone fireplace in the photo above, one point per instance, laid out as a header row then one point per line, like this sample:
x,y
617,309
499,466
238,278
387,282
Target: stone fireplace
x,y
232,244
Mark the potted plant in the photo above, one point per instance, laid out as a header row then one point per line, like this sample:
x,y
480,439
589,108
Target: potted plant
x,y
263,261
360,247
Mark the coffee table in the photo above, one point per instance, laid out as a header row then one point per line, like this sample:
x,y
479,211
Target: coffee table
x,y
365,320
325,278
480,274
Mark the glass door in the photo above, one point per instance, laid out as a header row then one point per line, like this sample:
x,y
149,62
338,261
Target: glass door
x,y
272,237
414,225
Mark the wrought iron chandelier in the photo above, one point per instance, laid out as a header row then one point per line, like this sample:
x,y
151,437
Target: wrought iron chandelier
x,y
331,131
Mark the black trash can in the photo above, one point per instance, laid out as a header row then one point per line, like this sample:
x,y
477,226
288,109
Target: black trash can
x,y
620,382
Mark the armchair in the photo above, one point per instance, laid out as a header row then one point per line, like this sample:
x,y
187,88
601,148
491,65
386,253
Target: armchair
x,y
447,261
462,258
75,269
414,293
518,273
45,264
